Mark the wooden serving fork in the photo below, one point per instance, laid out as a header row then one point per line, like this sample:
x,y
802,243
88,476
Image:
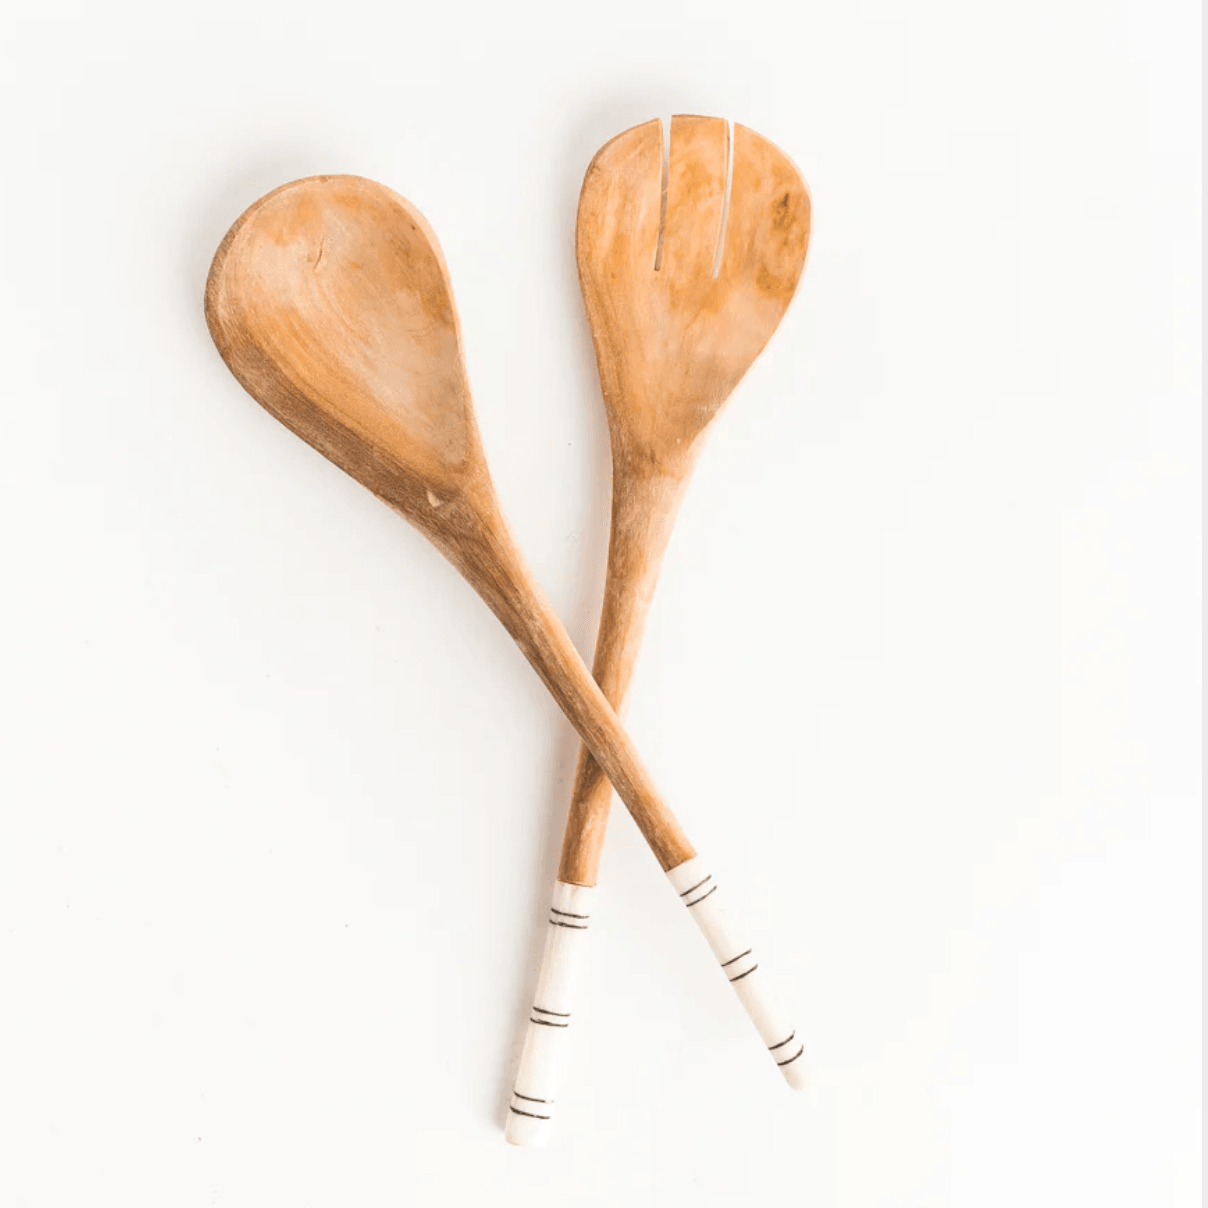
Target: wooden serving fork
x,y
330,302
682,290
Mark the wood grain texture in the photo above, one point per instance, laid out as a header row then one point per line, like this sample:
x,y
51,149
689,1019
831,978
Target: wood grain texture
x,y
671,344
330,301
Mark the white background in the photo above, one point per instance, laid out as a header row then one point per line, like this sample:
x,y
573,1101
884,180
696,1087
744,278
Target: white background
x,y
281,804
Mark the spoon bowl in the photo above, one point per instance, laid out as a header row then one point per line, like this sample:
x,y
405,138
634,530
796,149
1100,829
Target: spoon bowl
x,y
330,301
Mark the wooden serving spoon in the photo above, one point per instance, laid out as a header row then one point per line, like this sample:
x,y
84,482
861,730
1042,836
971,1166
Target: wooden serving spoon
x,y
330,302
681,298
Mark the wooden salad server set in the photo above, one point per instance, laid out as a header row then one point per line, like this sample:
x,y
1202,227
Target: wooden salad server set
x,y
330,301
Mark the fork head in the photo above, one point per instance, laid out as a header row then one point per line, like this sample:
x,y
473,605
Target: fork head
x,y
684,290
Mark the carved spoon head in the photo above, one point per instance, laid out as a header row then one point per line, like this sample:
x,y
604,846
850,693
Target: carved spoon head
x,y
330,301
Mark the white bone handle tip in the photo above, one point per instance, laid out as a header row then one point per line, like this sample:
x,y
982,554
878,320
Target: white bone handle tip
x,y
791,1061
547,1041
698,891
526,1133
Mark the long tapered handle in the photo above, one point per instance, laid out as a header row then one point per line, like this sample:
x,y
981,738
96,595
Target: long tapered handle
x,y
497,570
536,629
551,1021
703,899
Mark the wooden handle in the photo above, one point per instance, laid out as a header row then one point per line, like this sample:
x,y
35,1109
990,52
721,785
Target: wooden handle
x,y
493,564
482,547
644,507
643,512
547,1041
699,892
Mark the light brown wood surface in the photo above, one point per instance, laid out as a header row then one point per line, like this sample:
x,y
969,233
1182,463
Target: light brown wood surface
x,y
330,302
671,343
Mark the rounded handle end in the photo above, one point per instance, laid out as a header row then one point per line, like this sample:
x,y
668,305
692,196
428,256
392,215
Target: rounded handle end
x,y
527,1129
793,1069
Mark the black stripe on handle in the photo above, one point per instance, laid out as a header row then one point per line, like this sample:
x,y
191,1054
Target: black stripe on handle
x,y
726,964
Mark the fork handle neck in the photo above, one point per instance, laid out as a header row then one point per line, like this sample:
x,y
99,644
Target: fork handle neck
x,y
644,508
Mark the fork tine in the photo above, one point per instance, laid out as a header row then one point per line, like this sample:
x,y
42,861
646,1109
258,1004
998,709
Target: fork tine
x,y
619,206
696,186
765,236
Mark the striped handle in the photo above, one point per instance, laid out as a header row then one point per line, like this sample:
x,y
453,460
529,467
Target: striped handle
x,y
546,1043
698,891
